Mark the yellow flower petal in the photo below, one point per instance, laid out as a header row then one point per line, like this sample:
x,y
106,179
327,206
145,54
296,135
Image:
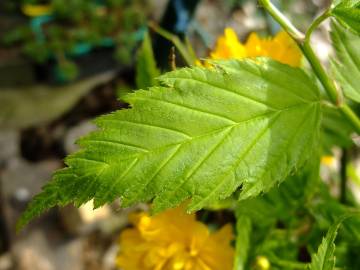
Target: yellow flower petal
x,y
328,160
262,263
174,240
280,48
36,10
228,46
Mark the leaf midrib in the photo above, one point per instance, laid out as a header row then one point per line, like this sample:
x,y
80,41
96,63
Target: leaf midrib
x,y
224,89
264,115
303,121
238,160
178,145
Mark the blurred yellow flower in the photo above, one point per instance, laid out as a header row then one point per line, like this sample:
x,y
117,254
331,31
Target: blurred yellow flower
x,y
262,263
281,48
174,240
328,160
36,10
228,46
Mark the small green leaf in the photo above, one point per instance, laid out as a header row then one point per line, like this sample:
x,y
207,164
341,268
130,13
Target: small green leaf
x,y
347,64
146,70
324,259
280,203
206,133
326,210
336,131
243,233
347,12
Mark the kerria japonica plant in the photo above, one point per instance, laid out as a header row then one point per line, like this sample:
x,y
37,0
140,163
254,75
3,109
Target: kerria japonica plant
x,y
243,131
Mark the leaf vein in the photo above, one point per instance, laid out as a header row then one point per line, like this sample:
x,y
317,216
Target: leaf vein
x,y
118,143
150,125
227,90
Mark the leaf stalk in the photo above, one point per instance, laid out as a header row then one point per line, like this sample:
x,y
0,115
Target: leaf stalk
x,y
315,24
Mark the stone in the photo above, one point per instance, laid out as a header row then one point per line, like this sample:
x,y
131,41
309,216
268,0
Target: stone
x,y
6,262
109,258
9,145
43,249
33,252
19,182
84,219
75,133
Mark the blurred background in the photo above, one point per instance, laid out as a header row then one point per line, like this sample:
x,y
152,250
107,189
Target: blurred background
x,y
64,62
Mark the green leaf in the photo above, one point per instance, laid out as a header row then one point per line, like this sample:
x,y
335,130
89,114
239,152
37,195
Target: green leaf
x,y
336,130
243,234
326,210
324,259
202,136
347,12
284,205
146,70
347,64
40,104
283,202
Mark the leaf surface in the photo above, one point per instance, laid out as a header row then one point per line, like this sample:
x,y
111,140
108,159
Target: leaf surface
x,y
25,107
347,64
347,12
202,135
146,70
243,242
324,259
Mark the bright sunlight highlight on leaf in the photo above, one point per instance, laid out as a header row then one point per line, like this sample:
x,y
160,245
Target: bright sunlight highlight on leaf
x,y
347,65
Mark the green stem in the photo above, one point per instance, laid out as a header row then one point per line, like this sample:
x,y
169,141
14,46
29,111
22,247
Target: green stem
x,y
351,116
188,57
288,264
315,24
282,20
343,175
304,43
320,72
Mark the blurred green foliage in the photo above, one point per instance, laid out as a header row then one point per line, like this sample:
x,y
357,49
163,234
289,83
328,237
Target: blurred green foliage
x,y
75,27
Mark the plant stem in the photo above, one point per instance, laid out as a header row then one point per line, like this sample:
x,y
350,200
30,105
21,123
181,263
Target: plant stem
x,y
176,41
343,175
288,264
315,24
282,20
320,73
5,239
351,116
304,43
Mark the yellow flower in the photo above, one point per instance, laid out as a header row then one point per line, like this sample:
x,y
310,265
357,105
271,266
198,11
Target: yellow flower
x,y
281,48
174,240
228,46
328,160
36,10
262,263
